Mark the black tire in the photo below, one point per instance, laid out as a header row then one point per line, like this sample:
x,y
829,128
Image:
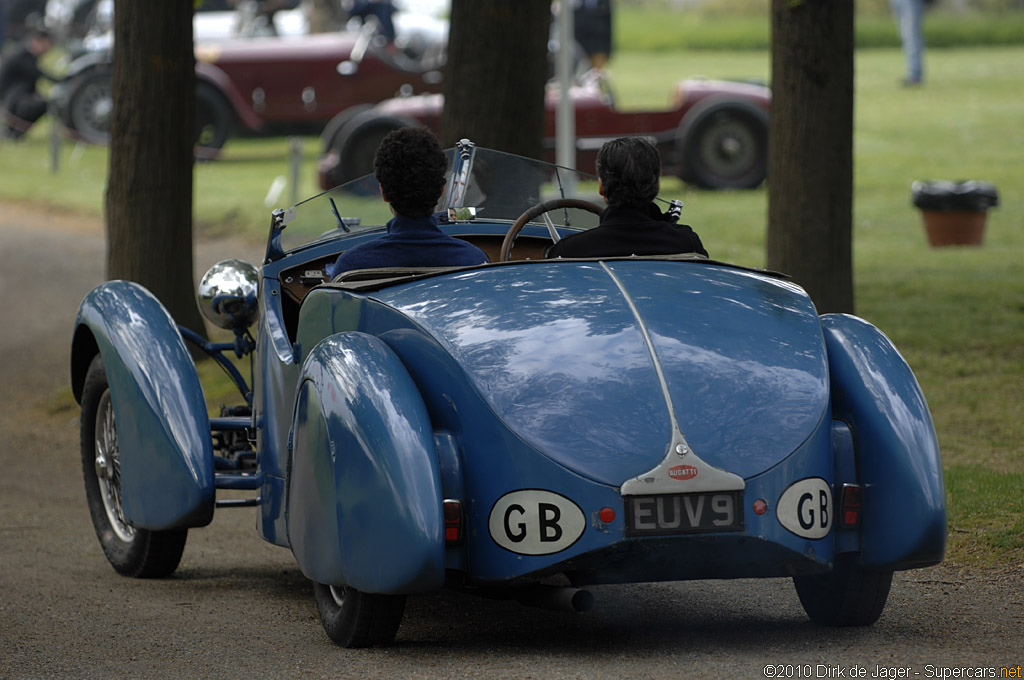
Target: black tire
x,y
849,595
138,553
215,121
352,618
331,132
90,106
723,144
357,144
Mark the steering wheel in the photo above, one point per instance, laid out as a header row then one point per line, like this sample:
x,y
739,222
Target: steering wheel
x,y
537,211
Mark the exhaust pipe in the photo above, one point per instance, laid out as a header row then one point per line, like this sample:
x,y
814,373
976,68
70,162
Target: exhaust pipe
x,y
558,598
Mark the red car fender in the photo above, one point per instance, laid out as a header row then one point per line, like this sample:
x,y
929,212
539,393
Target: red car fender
x,y
207,72
692,90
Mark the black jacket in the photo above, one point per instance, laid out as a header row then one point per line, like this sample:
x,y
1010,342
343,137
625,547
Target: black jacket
x,y
628,231
18,75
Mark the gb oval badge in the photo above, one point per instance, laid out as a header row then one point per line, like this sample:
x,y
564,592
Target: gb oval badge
x,y
805,508
535,522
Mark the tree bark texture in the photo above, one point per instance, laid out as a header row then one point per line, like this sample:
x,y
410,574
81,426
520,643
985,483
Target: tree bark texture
x,y
149,190
810,163
496,74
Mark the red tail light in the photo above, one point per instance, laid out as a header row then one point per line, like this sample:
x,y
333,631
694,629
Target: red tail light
x,y
851,507
453,530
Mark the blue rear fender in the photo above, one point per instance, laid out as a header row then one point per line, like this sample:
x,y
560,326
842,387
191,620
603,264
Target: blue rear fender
x,y
167,477
873,390
364,504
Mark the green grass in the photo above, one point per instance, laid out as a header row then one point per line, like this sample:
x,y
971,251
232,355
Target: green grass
x,y
229,195
957,314
218,388
986,523
744,25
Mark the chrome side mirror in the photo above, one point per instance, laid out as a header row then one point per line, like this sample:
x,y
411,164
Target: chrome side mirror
x,y
227,294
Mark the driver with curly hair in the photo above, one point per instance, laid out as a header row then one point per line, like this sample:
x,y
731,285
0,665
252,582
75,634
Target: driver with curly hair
x,y
410,168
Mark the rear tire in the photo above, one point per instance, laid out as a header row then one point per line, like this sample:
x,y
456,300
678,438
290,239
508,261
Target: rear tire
x,y
356,144
333,129
90,106
138,553
352,618
723,144
215,121
849,595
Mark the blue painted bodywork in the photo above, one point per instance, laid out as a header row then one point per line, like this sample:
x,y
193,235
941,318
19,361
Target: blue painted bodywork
x,y
540,373
162,424
540,394
363,442
875,391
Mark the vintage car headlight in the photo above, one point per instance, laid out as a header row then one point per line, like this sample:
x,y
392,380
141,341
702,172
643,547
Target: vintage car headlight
x,y
227,294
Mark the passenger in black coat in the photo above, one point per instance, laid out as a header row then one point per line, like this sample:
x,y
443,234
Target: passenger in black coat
x,y
19,73
629,174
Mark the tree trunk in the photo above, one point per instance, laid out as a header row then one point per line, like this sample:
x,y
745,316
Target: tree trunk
x,y
496,73
810,164
149,190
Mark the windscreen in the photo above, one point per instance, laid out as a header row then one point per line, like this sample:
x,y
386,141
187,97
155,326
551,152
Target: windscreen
x,y
498,186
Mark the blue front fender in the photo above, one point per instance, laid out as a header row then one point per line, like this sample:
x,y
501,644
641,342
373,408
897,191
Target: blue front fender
x,y
364,489
873,389
162,425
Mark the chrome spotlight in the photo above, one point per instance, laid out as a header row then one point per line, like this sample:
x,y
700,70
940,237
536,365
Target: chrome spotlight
x,y
227,294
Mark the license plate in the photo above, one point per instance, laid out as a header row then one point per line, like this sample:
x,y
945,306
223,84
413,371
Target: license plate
x,y
689,513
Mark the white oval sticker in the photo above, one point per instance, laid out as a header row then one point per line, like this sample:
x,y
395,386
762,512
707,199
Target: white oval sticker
x,y
805,508
536,522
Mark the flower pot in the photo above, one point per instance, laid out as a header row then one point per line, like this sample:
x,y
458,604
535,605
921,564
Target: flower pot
x,y
954,228
954,212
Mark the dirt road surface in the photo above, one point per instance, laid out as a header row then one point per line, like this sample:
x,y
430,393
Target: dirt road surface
x,y
239,608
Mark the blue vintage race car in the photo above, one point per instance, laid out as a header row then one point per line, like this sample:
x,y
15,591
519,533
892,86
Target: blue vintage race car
x,y
522,428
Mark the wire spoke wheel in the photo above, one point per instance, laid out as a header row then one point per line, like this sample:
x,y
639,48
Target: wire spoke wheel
x,y
723,144
132,551
728,148
108,469
90,108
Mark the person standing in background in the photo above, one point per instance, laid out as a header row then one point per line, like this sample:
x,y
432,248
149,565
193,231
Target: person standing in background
x,y
910,16
3,25
19,73
593,28
382,10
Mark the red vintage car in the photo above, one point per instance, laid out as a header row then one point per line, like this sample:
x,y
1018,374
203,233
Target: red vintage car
x,y
265,84
714,135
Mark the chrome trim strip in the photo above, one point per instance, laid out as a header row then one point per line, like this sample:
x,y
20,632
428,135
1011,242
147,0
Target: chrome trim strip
x,y
699,476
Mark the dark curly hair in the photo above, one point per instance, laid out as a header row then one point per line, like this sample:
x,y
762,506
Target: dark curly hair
x,y
410,168
630,169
